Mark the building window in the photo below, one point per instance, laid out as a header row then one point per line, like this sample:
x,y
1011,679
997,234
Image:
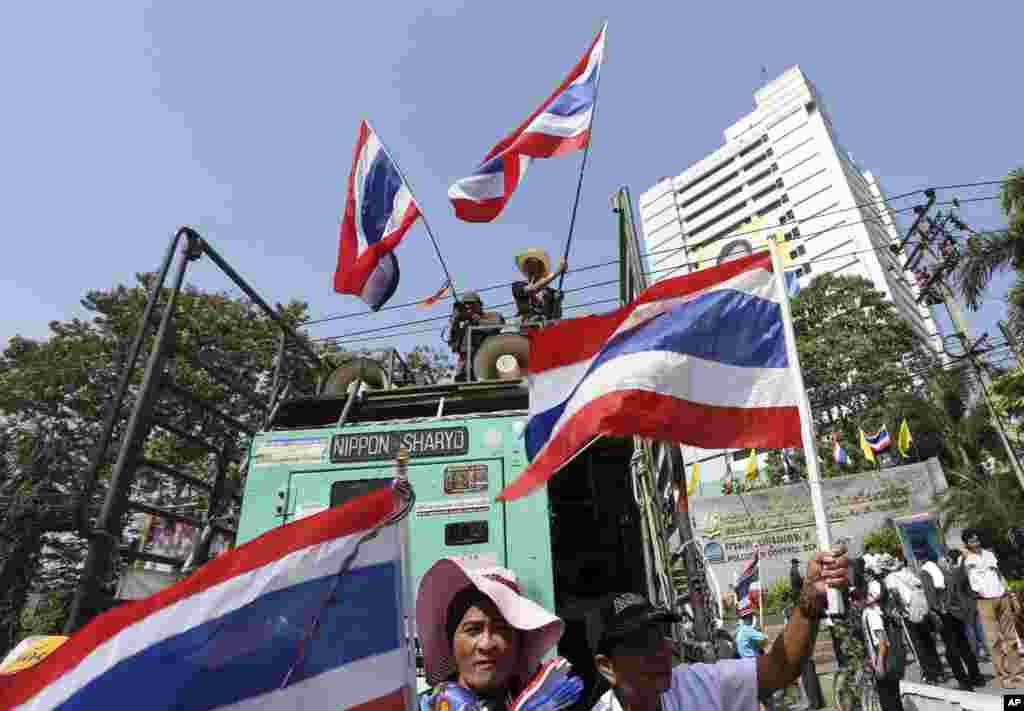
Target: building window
x,y
775,167
784,199
806,269
798,252
778,182
787,217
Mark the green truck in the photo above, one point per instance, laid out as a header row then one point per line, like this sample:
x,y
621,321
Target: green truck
x,y
586,533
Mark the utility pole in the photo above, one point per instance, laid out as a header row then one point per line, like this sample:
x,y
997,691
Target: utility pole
x,y
935,291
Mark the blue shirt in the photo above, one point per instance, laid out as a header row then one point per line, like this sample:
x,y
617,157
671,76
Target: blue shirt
x,y
746,635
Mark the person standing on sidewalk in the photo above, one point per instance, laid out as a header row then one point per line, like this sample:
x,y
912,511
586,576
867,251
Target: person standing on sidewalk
x,y
959,654
884,641
909,592
996,618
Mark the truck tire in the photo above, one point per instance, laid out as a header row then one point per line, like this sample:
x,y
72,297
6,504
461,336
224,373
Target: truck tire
x,y
495,349
366,369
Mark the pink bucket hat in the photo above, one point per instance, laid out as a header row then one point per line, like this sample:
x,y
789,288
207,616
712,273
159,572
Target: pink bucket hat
x,y
446,578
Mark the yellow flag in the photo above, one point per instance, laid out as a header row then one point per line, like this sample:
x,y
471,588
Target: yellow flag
x,y
869,453
752,466
905,440
691,488
30,652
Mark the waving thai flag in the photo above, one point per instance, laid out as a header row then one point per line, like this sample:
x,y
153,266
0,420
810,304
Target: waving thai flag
x,y
560,125
879,440
379,210
748,586
699,359
276,623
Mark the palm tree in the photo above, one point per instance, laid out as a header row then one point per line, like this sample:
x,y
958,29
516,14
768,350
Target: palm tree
x,y
990,252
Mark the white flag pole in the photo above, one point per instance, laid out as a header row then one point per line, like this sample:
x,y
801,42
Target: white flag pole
x,y
806,420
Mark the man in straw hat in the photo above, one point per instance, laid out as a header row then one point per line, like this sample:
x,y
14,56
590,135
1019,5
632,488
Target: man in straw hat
x,y
633,652
483,642
535,300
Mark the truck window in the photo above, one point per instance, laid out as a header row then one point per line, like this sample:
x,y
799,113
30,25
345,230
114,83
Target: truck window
x,y
344,491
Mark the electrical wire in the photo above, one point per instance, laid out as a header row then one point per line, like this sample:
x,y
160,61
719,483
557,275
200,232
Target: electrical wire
x,y
880,201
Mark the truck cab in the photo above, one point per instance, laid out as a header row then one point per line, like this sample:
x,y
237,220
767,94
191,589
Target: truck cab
x,y
578,538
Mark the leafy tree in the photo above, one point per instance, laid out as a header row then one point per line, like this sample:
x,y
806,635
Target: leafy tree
x,y
992,252
884,540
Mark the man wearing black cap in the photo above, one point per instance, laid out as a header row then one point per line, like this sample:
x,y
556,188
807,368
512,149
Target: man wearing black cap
x,y
633,652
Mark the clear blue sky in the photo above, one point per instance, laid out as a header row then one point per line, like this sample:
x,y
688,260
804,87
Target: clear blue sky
x,y
121,122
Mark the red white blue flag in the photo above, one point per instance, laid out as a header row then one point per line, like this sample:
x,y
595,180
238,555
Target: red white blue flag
x,y
748,585
379,210
560,125
270,625
879,440
698,359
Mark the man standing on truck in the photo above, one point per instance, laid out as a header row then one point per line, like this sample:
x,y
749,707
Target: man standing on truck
x,y
469,312
633,652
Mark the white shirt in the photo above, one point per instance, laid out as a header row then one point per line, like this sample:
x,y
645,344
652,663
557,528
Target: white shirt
x,y
936,572
983,572
729,685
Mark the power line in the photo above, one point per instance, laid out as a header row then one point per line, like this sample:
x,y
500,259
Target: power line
x,y
880,201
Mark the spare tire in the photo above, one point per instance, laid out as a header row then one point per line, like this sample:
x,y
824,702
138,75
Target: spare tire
x,y
368,370
502,357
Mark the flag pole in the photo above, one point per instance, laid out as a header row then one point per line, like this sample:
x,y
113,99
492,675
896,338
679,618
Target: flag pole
x,y
583,162
423,215
806,421
761,588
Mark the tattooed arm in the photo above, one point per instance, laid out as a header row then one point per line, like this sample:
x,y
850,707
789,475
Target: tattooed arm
x,y
781,666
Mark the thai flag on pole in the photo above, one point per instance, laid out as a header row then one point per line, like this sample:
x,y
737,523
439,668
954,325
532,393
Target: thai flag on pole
x,y
838,451
748,586
379,210
560,125
227,636
879,440
698,359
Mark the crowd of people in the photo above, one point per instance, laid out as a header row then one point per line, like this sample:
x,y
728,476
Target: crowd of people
x,y
961,598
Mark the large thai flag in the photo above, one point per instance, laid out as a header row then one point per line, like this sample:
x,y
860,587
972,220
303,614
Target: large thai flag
x,y
228,636
379,210
560,125
698,359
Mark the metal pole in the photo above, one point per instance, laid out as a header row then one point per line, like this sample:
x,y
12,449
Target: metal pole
x,y
961,325
114,409
583,163
273,315
104,539
423,216
681,516
806,420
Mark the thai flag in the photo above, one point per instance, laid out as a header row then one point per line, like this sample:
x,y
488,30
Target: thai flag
x,y
560,125
838,451
748,586
698,359
879,440
230,635
379,210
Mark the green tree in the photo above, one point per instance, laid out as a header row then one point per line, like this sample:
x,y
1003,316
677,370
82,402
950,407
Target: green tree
x,y
884,540
992,504
853,346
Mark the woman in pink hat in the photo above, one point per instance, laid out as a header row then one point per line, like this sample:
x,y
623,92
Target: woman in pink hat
x,y
483,642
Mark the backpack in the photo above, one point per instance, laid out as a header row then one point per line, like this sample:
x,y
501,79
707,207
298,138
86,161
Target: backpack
x,y
911,593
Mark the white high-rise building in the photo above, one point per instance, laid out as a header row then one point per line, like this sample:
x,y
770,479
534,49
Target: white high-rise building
x,y
782,170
